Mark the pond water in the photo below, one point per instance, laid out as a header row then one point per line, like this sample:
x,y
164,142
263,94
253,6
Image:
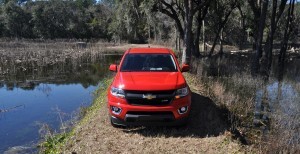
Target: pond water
x,y
34,93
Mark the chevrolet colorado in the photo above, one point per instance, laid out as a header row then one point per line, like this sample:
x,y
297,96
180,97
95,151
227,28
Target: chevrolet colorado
x,y
149,89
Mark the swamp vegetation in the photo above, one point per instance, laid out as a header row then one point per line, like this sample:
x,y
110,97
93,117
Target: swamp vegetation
x,y
244,56
264,113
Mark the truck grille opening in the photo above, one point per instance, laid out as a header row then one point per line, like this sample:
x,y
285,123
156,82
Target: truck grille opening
x,y
144,116
154,98
150,113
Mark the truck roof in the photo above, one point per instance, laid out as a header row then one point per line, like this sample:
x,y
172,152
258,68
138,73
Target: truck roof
x,y
149,50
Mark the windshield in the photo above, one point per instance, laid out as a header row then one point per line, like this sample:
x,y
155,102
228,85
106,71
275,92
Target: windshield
x,y
148,62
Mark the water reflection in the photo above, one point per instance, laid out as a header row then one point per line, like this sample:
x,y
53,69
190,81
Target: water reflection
x,y
28,74
283,101
278,96
18,126
31,89
45,88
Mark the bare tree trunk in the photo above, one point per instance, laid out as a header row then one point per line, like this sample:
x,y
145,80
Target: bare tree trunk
x,y
221,42
267,58
221,26
215,42
155,35
269,53
200,21
149,32
179,44
188,21
258,55
203,35
196,43
176,41
287,31
242,41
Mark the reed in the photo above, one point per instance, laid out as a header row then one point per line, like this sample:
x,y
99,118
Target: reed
x,y
253,111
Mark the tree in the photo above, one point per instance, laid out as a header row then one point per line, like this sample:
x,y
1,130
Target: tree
x,y
2,24
259,9
84,4
100,20
275,16
221,11
131,21
80,19
183,12
288,29
263,58
51,19
16,20
116,27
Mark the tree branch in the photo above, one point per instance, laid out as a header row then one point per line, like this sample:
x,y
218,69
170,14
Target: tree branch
x,y
172,14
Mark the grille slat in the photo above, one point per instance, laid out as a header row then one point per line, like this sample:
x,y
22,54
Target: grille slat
x,y
140,97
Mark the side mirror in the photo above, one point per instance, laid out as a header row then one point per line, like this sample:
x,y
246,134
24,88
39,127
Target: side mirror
x,y
185,68
113,68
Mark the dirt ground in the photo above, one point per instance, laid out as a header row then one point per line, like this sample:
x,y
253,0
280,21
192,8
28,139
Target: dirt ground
x,y
206,132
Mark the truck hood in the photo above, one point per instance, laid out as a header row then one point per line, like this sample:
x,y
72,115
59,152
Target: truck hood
x,y
149,81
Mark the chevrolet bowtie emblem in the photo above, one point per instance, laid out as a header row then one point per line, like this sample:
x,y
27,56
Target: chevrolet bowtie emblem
x,y
149,96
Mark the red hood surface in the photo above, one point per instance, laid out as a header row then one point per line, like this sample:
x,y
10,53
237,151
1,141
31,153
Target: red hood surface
x,y
149,80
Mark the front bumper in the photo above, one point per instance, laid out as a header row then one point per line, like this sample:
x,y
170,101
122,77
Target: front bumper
x,y
148,120
149,115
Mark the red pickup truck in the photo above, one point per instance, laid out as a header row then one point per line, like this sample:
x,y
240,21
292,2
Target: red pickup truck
x,y
149,89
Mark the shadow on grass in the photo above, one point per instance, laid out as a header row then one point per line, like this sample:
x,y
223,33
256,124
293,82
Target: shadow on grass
x,y
206,119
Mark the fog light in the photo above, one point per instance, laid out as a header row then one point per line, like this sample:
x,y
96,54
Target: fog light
x,y
116,110
183,110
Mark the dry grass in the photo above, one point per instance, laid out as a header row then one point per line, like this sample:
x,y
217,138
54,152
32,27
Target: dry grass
x,y
44,53
285,126
278,127
25,64
99,137
285,133
33,50
238,108
49,60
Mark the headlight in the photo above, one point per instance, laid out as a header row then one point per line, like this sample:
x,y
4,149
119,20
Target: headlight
x,y
117,92
182,92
